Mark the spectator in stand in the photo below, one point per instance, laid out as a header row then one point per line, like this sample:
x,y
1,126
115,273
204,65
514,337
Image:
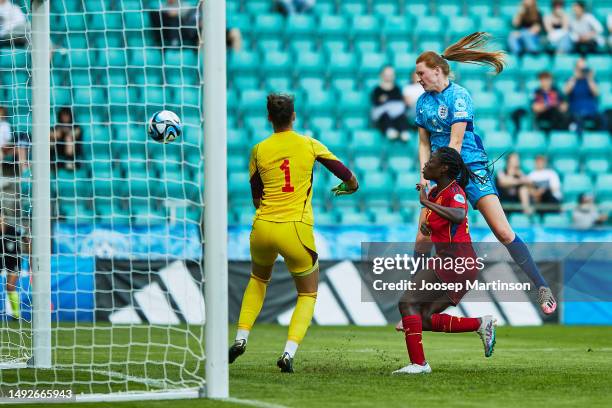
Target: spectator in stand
x,y
549,105
412,92
13,24
288,7
586,214
546,187
557,28
528,24
65,141
388,108
585,30
582,92
513,186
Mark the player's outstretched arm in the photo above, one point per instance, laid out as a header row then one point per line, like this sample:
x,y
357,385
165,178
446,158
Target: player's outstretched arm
x,y
346,187
453,214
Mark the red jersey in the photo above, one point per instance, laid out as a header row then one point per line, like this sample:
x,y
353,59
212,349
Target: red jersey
x,y
442,230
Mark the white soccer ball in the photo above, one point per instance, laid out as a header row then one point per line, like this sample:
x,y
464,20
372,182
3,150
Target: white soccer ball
x,y
164,126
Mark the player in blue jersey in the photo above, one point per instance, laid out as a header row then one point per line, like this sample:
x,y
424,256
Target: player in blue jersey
x,y
445,117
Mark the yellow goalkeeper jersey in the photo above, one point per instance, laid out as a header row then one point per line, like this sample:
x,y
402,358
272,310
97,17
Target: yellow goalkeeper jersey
x,y
280,170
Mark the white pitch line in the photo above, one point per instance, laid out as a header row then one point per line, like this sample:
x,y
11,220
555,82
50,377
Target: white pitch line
x,y
253,403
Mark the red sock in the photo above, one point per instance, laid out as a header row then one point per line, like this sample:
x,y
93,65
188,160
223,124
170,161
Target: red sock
x,y
413,329
441,322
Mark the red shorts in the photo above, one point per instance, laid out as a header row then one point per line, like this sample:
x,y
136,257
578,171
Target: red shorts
x,y
459,268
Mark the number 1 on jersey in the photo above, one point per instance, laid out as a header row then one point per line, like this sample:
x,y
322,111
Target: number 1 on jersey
x,y
287,188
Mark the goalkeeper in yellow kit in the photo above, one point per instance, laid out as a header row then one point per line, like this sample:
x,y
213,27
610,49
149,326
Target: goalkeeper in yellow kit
x,y
281,185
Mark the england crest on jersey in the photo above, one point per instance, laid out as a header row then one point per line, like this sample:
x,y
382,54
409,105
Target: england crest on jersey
x,y
443,111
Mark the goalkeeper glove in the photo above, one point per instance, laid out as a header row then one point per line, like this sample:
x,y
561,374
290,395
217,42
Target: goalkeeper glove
x,y
342,189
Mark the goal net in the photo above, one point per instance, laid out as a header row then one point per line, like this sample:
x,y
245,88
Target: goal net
x,y
127,294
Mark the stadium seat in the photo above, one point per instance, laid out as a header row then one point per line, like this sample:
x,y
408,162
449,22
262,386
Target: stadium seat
x,y
449,10
601,65
309,62
335,140
278,84
366,141
353,102
430,28
253,101
556,220
603,187
326,218
498,143
367,163
376,185
396,27
486,102
534,64
563,67
366,46
320,102
333,27
596,144
504,86
385,8
418,8
480,11
404,63
563,143
401,164
498,27
344,84
243,62
371,63
388,218
566,165
519,220
342,64
309,83
353,8
300,26
257,7
268,26
276,63
320,123
355,218
365,27
596,166
530,143
474,85
575,184
461,26
301,45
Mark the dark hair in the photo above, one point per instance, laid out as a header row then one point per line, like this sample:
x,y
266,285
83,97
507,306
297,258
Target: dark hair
x,y
468,49
556,3
280,109
457,169
580,4
64,110
544,74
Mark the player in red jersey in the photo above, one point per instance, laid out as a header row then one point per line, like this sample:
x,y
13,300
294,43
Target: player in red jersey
x,y
446,224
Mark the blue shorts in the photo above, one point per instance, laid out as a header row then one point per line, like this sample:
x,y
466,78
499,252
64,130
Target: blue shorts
x,y
475,190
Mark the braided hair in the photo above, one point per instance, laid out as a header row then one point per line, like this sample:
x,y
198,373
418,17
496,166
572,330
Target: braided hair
x,y
457,169
280,109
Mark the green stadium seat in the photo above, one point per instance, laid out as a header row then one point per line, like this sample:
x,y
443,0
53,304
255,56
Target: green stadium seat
x,y
596,144
344,84
366,46
480,11
556,221
372,63
111,58
396,27
505,86
245,81
400,164
268,26
498,27
531,143
309,62
239,184
326,218
61,96
118,95
354,218
256,7
353,102
398,47
276,63
601,65
311,83
388,218
154,95
429,27
365,27
75,22
301,45
405,185
300,26
79,77
603,187
563,143
574,185
385,8
498,142
486,102
76,59
563,66
253,100
488,126
376,184
450,10
461,26
237,140
333,27
404,63
368,163
87,96
474,85
320,102
417,9
534,64
321,124
596,166
278,84
240,21
519,221
566,165
353,8
335,140
331,47
355,122
342,64
366,141
243,62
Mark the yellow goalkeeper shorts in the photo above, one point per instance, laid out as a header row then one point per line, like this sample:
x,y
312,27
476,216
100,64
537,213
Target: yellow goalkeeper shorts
x,y
294,241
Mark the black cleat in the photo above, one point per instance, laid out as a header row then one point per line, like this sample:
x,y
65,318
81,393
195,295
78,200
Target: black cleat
x,y
285,363
237,349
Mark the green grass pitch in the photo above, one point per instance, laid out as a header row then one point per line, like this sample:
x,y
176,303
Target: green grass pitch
x,y
351,367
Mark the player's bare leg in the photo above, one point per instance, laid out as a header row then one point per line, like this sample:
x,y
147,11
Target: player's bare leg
x,y
252,301
492,211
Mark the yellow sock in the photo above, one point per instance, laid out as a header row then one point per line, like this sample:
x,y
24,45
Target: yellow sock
x,y
302,315
252,301
14,300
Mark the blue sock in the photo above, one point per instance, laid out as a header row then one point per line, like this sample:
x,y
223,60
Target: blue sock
x,y
520,253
